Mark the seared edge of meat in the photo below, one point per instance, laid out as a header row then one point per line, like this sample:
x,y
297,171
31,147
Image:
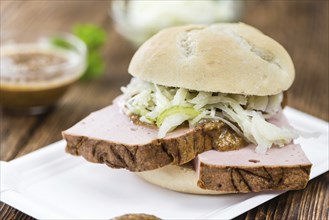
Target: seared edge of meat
x,y
158,153
241,179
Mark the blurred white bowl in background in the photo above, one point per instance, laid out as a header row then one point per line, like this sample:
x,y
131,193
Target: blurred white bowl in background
x,y
139,20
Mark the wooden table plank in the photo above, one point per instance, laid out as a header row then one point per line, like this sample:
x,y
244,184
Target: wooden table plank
x,y
300,26
12,139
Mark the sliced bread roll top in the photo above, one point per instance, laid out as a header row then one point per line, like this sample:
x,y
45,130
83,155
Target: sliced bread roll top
x,y
226,57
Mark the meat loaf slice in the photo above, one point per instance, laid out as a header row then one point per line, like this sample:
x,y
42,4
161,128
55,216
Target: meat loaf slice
x,y
109,136
246,171
238,171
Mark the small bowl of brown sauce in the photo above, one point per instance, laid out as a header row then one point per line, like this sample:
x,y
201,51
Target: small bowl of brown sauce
x,y
37,69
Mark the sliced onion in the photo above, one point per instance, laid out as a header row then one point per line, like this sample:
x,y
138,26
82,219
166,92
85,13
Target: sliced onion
x,y
170,123
169,107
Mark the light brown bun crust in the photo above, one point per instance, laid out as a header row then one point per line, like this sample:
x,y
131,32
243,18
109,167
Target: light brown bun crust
x,y
177,178
226,57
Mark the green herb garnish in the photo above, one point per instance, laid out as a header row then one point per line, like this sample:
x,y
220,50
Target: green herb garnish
x,y
96,65
60,42
94,37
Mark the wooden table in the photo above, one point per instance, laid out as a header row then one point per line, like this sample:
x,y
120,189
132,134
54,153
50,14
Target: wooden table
x,y
301,26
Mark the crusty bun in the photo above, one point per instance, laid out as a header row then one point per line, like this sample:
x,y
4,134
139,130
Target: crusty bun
x,y
177,178
136,216
227,57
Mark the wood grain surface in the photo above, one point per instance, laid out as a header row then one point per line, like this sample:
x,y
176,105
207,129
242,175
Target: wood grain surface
x,y
300,26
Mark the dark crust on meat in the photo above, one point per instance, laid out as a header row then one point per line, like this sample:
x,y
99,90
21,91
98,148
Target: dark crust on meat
x,y
177,151
246,179
135,119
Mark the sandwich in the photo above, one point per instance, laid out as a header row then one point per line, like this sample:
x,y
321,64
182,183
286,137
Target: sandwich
x,y
202,114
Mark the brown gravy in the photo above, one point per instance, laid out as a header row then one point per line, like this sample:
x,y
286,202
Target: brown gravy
x,y
33,79
29,66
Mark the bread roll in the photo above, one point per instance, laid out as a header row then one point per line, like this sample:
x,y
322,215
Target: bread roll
x,y
226,57
177,178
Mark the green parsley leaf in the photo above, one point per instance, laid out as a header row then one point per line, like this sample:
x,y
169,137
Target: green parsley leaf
x,y
62,43
95,65
94,37
91,34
